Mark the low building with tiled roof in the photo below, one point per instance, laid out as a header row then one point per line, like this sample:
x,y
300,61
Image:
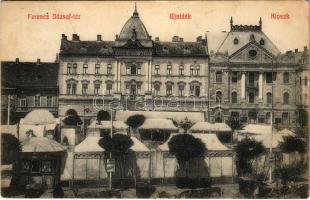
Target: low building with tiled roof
x,y
28,86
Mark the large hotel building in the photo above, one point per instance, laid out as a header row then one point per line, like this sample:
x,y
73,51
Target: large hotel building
x,y
247,76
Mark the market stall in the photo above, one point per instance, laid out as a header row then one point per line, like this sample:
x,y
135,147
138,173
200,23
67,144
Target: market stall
x,y
222,130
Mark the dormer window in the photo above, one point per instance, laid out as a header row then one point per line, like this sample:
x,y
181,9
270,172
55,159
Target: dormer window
x,y
262,41
236,41
187,50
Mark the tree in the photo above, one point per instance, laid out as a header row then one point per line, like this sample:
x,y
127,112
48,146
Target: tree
x,y
135,121
103,115
234,123
119,146
72,118
10,148
185,147
246,150
186,124
292,144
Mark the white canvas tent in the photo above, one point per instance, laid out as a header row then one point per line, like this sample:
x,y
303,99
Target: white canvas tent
x,y
160,124
205,127
94,128
39,121
218,159
89,162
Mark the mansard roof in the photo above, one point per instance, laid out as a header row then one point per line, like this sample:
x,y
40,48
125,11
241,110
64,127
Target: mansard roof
x,y
95,48
243,34
191,49
33,75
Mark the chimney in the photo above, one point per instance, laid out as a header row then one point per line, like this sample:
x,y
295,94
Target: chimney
x,y
181,40
296,50
63,37
156,39
305,48
75,37
116,36
99,38
175,38
38,61
198,39
17,60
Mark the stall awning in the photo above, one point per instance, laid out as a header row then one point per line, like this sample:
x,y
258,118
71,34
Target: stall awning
x,y
138,146
159,124
107,125
210,127
177,116
42,144
262,133
39,117
90,144
254,129
211,142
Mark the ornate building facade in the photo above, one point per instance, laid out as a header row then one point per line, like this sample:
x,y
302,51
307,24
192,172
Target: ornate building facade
x,y
250,78
133,72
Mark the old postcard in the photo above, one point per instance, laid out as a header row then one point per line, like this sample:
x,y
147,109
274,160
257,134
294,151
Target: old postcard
x,y
154,99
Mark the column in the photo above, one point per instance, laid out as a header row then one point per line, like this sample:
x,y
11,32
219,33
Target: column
x,y
119,76
150,76
260,86
147,76
242,85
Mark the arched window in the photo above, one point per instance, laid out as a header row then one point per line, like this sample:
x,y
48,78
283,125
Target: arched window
x,y
218,97
286,98
269,98
262,41
234,97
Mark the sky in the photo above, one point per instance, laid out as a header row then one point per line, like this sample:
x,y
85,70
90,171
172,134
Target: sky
x,y
30,39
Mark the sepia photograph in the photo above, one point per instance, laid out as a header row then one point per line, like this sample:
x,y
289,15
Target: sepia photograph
x,y
155,99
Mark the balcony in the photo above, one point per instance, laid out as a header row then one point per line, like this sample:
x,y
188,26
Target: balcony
x,y
252,86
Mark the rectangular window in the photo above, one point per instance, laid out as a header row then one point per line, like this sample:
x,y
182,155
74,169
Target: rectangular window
x,y
127,89
234,77
73,89
69,68
37,101
84,88
109,69
285,119
306,81
251,97
109,89
181,90
169,70
139,70
191,89
74,68
192,70
85,68
286,77
138,89
156,72
181,70
97,68
218,77
169,90
23,102
68,88
197,70
268,77
49,101
97,89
